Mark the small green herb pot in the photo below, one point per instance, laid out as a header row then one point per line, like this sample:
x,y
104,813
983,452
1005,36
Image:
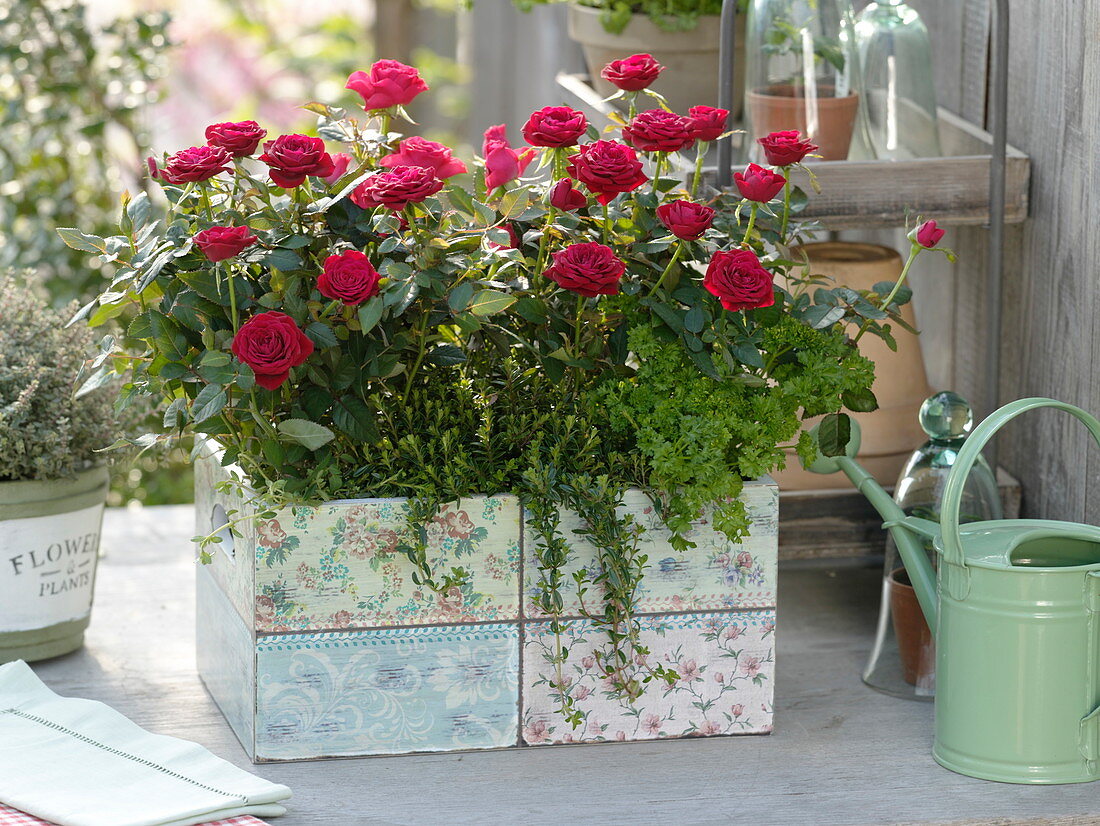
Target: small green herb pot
x,y
49,545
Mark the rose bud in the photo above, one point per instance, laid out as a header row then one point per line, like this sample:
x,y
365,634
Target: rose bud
x,y
928,234
566,197
417,151
502,162
340,163
349,277
395,189
293,157
587,269
656,130
632,74
387,84
739,281
785,148
758,184
607,168
199,163
220,243
513,240
555,126
686,220
238,139
271,343
710,122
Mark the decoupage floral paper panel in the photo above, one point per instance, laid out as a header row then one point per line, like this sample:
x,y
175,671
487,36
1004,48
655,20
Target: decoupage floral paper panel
x,y
387,691
715,575
725,664
340,565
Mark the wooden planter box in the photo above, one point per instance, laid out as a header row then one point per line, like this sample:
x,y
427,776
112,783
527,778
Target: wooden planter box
x,y
314,641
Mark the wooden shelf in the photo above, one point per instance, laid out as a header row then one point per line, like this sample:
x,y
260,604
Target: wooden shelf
x,y
953,189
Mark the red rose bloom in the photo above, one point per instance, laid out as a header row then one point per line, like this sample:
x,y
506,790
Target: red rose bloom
x,y
607,168
928,234
710,122
271,343
389,83
349,277
632,74
199,163
238,139
565,197
340,163
219,243
588,269
656,130
394,189
686,219
293,157
555,126
417,151
738,280
785,148
502,162
758,184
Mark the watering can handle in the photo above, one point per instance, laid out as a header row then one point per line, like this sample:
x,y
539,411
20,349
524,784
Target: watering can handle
x,y
968,455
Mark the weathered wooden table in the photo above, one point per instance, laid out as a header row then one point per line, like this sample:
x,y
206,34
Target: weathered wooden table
x,y
841,753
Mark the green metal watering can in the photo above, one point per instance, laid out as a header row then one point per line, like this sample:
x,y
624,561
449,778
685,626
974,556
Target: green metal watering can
x,y
1015,609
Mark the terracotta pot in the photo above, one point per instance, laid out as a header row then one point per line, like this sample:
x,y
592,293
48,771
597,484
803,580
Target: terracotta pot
x,y
690,58
893,432
915,644
784,107
49,543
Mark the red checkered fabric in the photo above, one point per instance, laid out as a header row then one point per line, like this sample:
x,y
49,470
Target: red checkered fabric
x,y
13,817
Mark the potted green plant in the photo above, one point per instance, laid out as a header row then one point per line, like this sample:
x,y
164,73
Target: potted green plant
x,y
463,419
803,73
53,486
682,35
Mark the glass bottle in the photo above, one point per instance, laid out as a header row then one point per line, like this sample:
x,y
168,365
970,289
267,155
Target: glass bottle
x,y
803,74
896,56
903,660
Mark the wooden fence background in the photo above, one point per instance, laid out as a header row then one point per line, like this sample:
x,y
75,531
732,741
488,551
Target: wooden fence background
x,y
1051,292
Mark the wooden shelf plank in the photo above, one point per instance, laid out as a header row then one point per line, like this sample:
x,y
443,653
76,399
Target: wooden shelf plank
x,y
953,189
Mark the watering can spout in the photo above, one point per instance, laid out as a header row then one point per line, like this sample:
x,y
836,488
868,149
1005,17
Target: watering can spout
x,y
905,535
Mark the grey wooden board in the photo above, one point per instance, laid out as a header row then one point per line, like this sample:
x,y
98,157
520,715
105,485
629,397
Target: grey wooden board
x,y
842,755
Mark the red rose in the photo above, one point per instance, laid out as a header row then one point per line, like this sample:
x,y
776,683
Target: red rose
x,y
293,157
394,189
502,162
199,163
349,277
710,122
565,197
340,163
555,126
417,151
388,84
758,184
928,234
739,281
238,139
632,74
607,168
785,148
271,343
219,243
588,269
686,219
656,130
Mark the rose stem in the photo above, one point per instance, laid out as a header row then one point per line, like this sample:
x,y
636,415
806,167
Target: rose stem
x,y
606,224
672,262
914,250
700,151
752,223
786,203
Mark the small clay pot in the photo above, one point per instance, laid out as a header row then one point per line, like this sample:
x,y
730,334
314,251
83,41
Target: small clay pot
x,y
784,107
915,643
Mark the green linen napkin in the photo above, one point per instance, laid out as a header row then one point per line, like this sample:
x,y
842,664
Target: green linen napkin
x,y
80,763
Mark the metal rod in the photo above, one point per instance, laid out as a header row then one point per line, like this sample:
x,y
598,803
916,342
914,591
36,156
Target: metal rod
x,y
727,44
998,161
